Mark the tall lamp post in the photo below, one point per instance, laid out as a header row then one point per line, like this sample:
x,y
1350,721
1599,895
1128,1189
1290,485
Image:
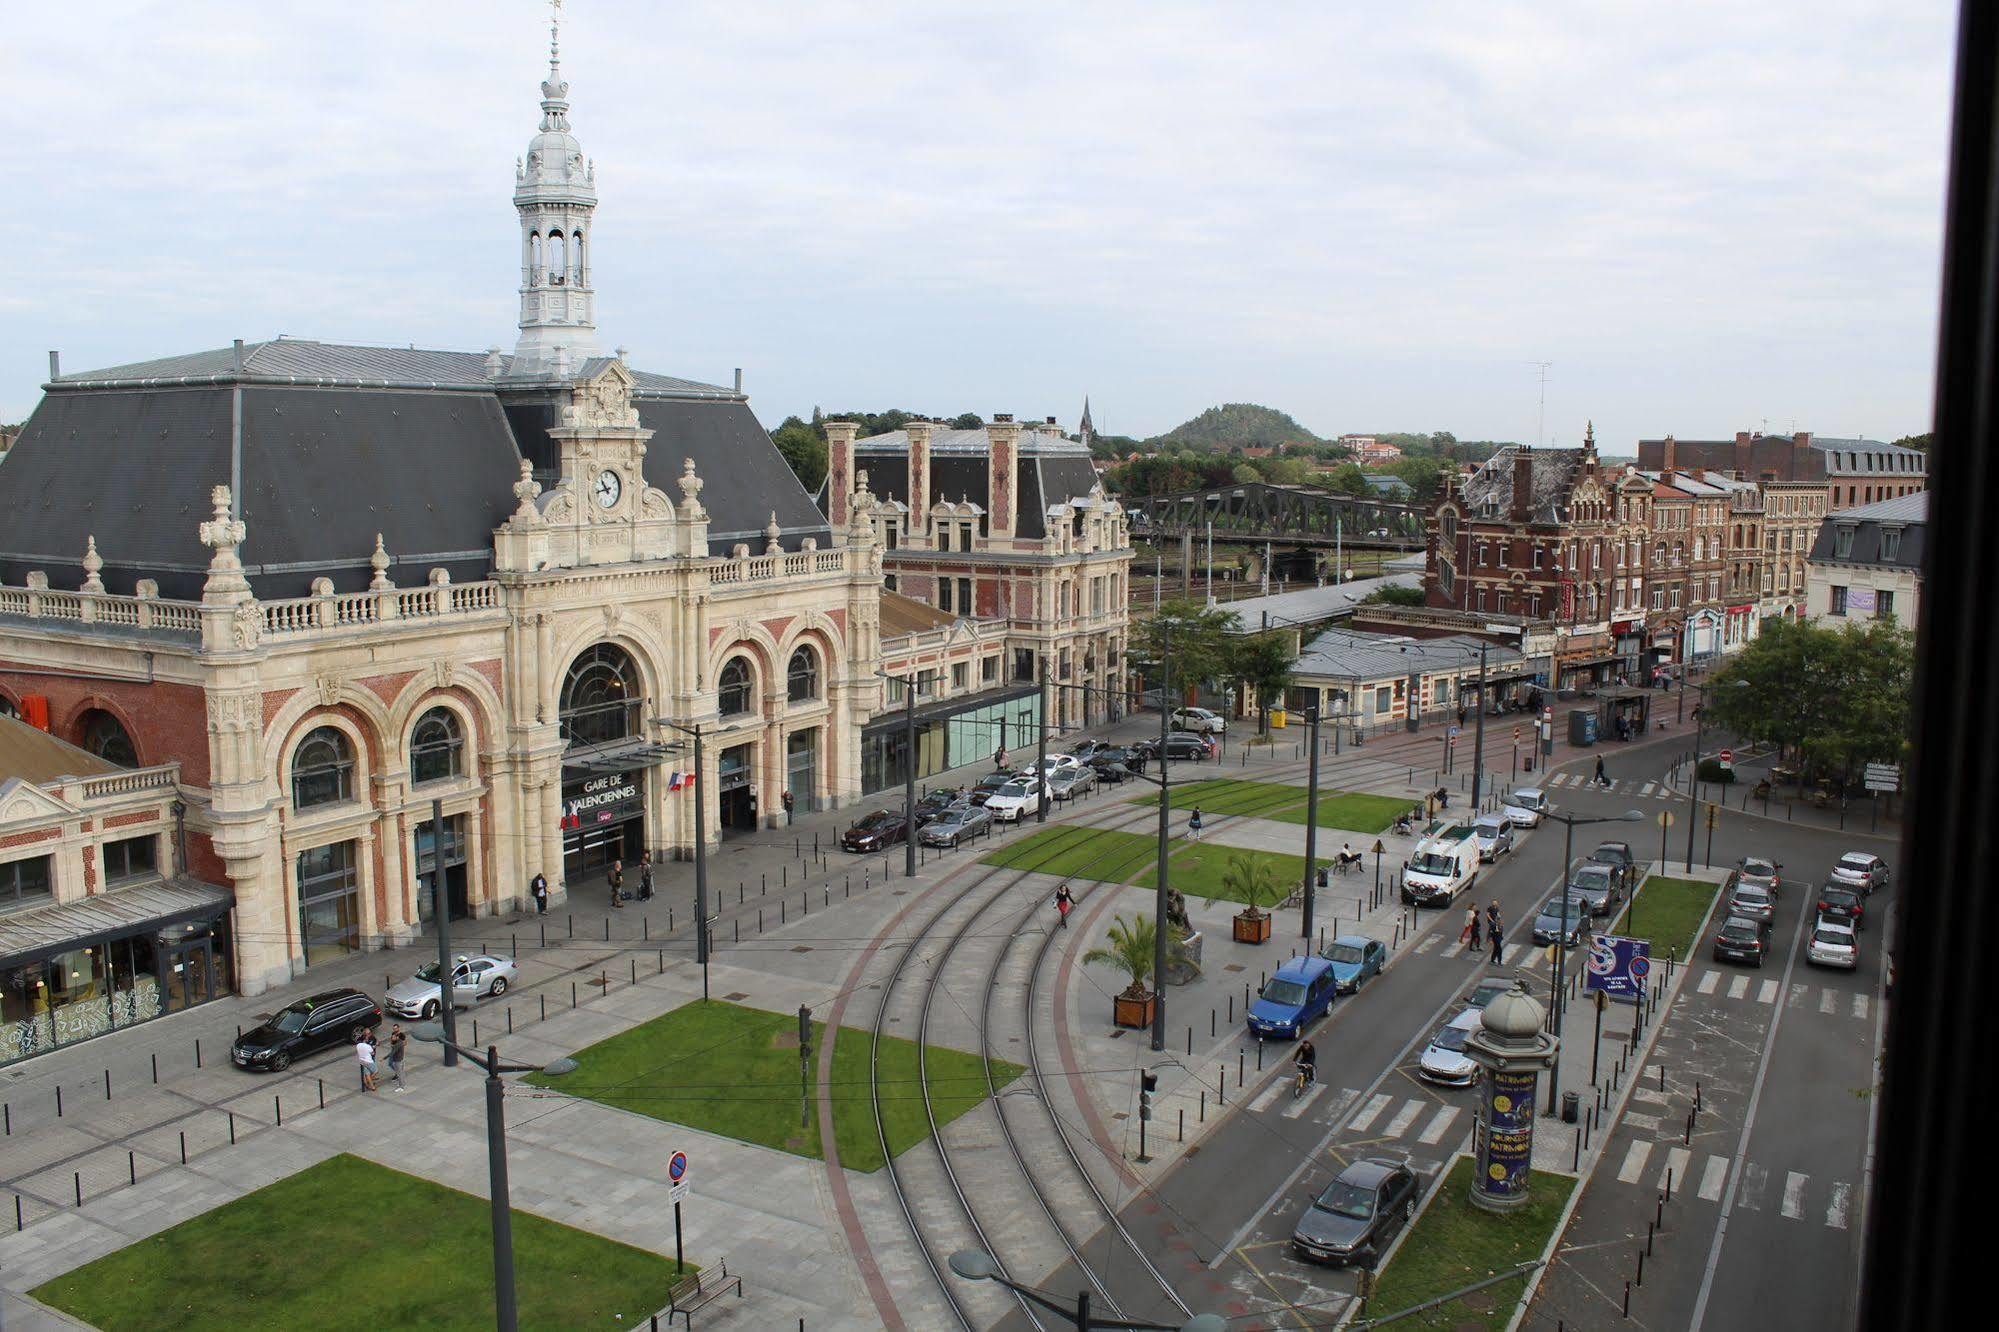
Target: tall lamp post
x,y
1694,777
978,1265
700,850
1478,743
1570,822
908,771
505,1314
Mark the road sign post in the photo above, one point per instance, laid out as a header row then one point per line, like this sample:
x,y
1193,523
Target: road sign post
x,y
1665,822
1712,806
676,1190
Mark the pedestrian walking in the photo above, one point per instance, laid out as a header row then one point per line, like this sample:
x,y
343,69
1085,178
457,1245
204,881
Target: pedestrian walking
x,y
616,878
645,871
1063,901
1462,712
999,759
1493,931
538,890
364,1054
1602,777
788,802
1194,825
1468,936
399,1044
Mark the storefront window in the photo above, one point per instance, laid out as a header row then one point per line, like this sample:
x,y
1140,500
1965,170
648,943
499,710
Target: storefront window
x,y
329,902
27,883
131,858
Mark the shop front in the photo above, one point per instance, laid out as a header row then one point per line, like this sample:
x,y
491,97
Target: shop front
x,y
603,819
736,789
1703,635
801,769
953,734
1628,647
457,894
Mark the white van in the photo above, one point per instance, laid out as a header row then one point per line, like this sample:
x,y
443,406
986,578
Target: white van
x,y
1444,864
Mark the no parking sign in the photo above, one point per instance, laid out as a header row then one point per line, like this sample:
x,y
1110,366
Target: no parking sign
x,y
676,1177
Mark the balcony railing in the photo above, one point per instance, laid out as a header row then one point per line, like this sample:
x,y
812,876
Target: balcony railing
x,y
135,782
759,568
172,618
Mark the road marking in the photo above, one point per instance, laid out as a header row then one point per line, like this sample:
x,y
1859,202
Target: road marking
x,y
1298,1103
1828,1001
1749,1193
1676,1165
1370,1112
1709,979
1799,991
1439,1124
1651,788
1514,952
1835,1212
1767,992
1860,1006
1428,942
1650,1123
1738,986
1403,1119
1794,1194
1343,1098
1713,1177
1634,1162
1648,1095
1263,1098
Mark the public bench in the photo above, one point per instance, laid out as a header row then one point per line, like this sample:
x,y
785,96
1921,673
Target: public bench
x,y
696,1291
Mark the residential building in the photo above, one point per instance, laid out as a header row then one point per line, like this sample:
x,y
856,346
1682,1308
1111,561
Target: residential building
x,y
1853,471
1369,451
1380,681
1688,573
1867,562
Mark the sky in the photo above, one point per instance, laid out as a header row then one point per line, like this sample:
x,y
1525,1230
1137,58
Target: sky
x,y
1703,217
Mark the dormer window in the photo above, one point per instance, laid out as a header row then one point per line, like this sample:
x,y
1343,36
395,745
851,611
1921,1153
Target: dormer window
x,y
1842,542
1891,543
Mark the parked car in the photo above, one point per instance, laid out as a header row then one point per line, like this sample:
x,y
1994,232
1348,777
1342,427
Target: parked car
x,y
1180,745
988,786
1565,916
1742,940
1490,987
1495,836
1758,872
876,831
1112,774
1833,944
1599,885
1525,806
1841,902
1197,719
957,824
302,1028
1444,1060
1356,960
486,976
1356,1214
1068,783
936,803
1052,764
1131,759
1085,750
1753,903
1017,795
1619,856
1861,870
1297,996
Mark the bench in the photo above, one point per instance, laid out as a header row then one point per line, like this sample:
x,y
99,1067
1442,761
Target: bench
x,y
697,1291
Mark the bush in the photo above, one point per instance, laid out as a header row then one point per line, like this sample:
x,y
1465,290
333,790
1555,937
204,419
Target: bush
x,y
1712,771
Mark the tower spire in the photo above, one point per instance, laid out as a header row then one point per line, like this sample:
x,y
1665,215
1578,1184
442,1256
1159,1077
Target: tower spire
x,y
555,194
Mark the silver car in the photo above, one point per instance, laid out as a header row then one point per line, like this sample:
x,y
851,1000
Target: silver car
x,y
472,978
1758,872
1525,806
1833,944
1072,782
955,825
1753,903
1858,869
1495,836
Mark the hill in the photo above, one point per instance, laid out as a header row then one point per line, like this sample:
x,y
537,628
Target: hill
x,y
1238,425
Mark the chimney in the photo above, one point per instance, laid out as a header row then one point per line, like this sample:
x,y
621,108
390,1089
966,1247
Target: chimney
x,y
1002,484
1051,420
919,476
1666,456
1742,437
839,470
1523,486
239,355
739,379
494,364
1803,439
1698,473
55,365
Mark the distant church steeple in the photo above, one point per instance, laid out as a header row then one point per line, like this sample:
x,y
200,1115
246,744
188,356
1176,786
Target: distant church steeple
x,y
1086,429
555,193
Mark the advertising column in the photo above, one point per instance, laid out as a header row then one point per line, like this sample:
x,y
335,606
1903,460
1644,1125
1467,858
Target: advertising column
x,y
1506,1148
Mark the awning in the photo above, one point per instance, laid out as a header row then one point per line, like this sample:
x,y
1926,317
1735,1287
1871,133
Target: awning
x,y
622,756
41,932
1610,660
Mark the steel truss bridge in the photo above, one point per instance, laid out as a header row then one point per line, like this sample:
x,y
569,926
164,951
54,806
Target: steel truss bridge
x,y
1289,515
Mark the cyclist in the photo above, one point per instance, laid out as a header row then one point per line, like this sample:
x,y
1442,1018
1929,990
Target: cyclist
x,y
1307,1061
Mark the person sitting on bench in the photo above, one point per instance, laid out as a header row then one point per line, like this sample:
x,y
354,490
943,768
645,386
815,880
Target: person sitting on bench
x,y
1348,859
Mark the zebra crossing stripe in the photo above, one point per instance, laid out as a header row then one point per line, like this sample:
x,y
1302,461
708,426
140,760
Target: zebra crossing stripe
x,y
1676,1165
1651,788
1300,1103
1860,1006
1738,987
1794,1195
1514,952
1268,1094
1370,1112
1428,942
1749,1189
1440,1123
1708,981
1767,992
1713,1176
1403,1119
1835,1212
1828,1001
1634,1162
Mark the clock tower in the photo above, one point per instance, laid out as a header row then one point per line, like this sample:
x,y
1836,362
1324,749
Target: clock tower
x,y
555,194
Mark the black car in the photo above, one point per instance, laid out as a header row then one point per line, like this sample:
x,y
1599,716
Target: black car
x,y
987,786
1844,904
1085,750
1353,1219
1133,760
883,828
1179,745
936,803
1565,916
1112,774
301,1028
1742,940
1618,856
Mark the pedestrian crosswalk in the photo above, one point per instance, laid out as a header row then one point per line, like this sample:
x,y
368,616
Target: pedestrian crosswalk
x,y
1629,786
1411,1119
1795,1195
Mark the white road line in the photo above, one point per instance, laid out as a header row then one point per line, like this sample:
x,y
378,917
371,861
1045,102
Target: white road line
x,y
1651,788
1860,1006
1649,1095
1514,952
1428,942
1794,1194
1749,1193
1649,1123
1634,1163
1799,991
1370,1112
1713,1176
1403,1119
1709,979
1738,986
1828,1001
1298,1104
1439,1124
1767,992
1263,1098
1676,1162
1835,1212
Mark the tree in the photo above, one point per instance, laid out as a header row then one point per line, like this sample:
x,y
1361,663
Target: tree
x,y
1394,596
1263,662
1243,474
1422,475
1922,441
1197,642
1832,699
804,449
1349,479
1250,880
1131,946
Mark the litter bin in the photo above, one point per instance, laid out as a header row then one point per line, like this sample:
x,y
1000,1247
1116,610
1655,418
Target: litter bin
x,y
1571,1107
1278,717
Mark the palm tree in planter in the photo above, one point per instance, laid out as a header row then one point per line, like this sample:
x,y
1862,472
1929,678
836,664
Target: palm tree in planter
x,y
1129,947
1252,882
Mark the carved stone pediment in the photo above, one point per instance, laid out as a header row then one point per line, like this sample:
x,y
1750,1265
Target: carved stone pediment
x,y
24,802
605,401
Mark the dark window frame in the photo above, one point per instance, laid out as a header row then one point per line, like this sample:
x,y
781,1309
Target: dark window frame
x,y
322,769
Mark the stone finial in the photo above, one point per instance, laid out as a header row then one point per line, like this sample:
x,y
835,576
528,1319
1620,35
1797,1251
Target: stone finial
x,y
322,587
526,490
93,565
223,534
440,577
379,562
772,531
860,481
690,490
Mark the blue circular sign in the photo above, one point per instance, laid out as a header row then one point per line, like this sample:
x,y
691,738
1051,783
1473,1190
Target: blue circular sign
x,y
1641,966
676,1166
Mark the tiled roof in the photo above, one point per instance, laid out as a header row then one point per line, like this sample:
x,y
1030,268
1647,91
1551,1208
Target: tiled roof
x,y
33,755
1492,484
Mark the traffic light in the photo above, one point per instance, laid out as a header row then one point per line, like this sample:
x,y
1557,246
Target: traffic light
x,y
1148,1083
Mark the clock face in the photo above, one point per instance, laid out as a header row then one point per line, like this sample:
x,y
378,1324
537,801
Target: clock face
x,y
607,489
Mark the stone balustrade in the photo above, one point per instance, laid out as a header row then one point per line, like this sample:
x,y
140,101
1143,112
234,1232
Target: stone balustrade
x,y
292,618
760,568
135,782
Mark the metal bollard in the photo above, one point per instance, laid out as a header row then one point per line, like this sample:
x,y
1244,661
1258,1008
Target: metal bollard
x,y
278,1108
607,929
1211,1022
1669,1184
156,1068
572,994
780,911
183,1147
322,1092
1641,1266
232,1128
1259,1056
1204,1105
58,1100
1221,1086
1190,1038
510,1019
107,1084
1183,1123
132,1165
1240,1061
79,1186
544,1008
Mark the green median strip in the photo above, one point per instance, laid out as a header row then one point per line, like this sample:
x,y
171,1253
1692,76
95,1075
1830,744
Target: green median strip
x,y
1078,853
1197,869
348,1243
1667,912
1355,811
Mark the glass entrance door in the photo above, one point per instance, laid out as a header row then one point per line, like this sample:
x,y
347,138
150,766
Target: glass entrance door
x,y
190,974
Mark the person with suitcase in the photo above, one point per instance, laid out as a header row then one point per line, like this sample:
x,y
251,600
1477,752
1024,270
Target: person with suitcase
x,y
616,879
645,876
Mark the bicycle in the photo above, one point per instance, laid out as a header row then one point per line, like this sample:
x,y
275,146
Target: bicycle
x,y
1301,1081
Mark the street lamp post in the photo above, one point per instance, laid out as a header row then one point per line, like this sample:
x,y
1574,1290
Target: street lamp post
x,y
505,1313
978,1265
700,850
1311,819
1694,777
1556,1004
908,771
1159,925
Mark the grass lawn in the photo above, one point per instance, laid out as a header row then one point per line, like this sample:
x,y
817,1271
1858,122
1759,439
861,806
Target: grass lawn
x,y
347,1243
1225,795
1196,869
1356,811
1454,1244
1078,853
1668,912
724,1068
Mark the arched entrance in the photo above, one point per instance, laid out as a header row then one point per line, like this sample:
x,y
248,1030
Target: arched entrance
x,y
601,715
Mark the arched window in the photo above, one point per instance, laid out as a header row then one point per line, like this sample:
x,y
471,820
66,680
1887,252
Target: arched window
x,y
803,678
322,769
437,747
600,697
534,259
104,736
732,691
558,258
7,708
576,255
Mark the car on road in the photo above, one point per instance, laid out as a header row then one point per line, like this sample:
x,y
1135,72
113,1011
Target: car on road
x,y
486,976
957,824
1753,903
935,803
874,832
1085,750
1180,745
1197,719
988,786
1840,902
1053,764
1131,759
1619,856
1758,872
1565,916
1525,806
1444,864
1742,940
1495,836
304,1027
1491,987
1444,1060
1597,884
1112,774
1861,870
1833,944
1356,1214
1297,996
1068,783
1007,803
1356,960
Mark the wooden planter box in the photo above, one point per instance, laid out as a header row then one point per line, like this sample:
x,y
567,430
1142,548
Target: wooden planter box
x,y
1129,1012
1252,929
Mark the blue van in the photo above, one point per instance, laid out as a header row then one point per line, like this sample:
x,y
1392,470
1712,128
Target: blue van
x,y
1298,995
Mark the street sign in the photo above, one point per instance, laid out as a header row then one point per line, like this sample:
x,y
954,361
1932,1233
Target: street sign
x,y
1710,813
1451,732
1665,818
1882,777
676,1175
1727,757
1516,735
1617,967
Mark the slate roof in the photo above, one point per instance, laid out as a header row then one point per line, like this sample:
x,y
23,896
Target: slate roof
x,y
1314,605
1908,514
1354,654
1048,470
1492,483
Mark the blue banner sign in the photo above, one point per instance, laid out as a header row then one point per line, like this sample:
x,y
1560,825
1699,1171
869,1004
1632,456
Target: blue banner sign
x,y
1618,967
